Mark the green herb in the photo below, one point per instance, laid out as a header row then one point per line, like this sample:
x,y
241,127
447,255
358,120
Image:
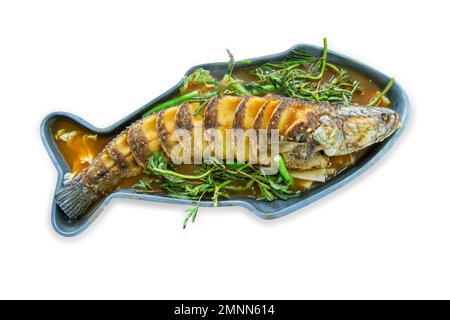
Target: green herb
x,y
300,75
233,86
172,102
201,77
245,62
200,109
303,76
339,89
377,99
194,96
323,63
213,180
191,213
229,84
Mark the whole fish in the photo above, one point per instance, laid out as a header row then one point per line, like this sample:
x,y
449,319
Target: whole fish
x,y
309,134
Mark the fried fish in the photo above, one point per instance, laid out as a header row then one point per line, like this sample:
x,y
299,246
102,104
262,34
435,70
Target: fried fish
x,y
309,133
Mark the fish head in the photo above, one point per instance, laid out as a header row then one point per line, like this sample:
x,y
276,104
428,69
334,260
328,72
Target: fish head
x,y
352,128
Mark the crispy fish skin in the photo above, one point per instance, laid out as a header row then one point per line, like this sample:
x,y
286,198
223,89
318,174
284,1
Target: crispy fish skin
x,y
139,144
310,133
114,163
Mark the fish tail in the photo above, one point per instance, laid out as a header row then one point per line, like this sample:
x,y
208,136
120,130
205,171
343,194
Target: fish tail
x,y
74,198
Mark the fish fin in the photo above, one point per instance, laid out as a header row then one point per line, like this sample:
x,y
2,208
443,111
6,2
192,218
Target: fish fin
x,y
74,198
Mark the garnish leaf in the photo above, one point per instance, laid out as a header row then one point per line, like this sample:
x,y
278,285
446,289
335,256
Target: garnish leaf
x,y
200,76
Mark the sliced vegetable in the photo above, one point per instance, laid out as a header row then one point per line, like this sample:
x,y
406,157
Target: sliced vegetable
x,y
65,136
304,184
317,175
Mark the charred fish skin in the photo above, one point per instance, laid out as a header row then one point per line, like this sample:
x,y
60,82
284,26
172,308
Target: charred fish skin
x,y
111,165
310,133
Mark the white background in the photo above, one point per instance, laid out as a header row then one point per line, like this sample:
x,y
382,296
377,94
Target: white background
x,y
386,235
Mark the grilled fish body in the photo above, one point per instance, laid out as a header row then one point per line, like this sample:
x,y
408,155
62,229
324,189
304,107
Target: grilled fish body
x,y
310,133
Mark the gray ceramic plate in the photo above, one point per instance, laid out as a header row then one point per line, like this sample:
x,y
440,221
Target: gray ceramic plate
x,y
263,209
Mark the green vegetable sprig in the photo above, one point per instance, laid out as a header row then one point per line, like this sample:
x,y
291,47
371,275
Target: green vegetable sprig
x,y
283,170
200,77
303,76
376,100
193,96
300,75
214,180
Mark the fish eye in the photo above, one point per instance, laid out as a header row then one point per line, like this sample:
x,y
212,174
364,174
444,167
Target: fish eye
x,y
385,117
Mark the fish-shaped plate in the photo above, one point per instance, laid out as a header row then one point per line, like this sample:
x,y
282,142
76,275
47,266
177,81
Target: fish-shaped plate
x,y
263,209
